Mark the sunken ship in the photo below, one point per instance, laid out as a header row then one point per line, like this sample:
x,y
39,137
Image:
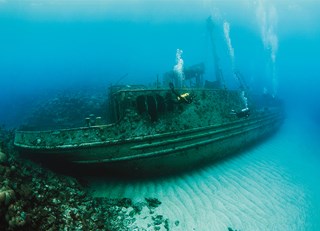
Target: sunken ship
x,y
165,128
155,130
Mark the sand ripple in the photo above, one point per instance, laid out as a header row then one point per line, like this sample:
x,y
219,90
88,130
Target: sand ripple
x,y
255,190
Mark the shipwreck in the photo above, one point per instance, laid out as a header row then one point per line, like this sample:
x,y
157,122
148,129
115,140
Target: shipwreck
x,y
161,128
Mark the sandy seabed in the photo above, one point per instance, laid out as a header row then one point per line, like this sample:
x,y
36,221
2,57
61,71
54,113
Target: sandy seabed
x,y
272,186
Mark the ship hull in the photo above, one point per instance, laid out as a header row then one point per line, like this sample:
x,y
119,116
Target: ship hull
x,y
154,154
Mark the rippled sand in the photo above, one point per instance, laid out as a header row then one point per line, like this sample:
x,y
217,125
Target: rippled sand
x,y
272,186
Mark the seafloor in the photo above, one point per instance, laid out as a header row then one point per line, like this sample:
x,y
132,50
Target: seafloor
x,y
271,186
34,198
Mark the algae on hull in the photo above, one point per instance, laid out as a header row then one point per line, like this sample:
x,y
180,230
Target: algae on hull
x,y
209,107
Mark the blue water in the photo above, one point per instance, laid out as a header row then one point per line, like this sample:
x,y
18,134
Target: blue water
x,y
53,45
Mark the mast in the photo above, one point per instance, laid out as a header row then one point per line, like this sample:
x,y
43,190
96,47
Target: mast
x,y
218,71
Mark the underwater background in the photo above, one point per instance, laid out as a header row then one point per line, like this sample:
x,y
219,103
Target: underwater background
x,y
53,46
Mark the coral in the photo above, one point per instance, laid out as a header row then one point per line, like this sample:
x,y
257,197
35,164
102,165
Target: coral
x,y
6,196
152,202
16,217
3,157
43,200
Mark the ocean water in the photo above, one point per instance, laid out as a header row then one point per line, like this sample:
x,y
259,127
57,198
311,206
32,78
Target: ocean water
x,y
51,46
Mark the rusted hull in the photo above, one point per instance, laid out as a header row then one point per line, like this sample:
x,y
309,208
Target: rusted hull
x,y
157,154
